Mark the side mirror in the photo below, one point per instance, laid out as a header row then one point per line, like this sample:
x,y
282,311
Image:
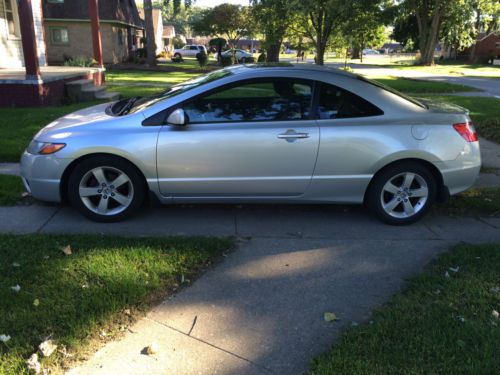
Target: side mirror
x,y
177,118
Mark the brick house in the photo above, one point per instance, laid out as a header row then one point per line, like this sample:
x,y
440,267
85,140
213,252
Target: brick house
x,y
487,47
67,29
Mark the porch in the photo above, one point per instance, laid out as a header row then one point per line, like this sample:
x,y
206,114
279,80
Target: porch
x,y
48,88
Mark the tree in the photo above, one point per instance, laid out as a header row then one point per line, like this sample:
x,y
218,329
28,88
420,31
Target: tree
x,y
150,41
273,18
458,29
487,18
405,30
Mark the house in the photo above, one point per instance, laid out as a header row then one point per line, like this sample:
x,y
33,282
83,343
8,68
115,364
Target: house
x,y
157,28
11,49
168,37
67,29
25,77
391,48
487,47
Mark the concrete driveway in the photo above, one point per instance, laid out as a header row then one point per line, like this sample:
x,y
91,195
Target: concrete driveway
x,y
260,311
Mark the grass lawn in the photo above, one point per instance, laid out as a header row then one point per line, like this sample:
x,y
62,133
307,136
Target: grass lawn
x,y
413,86
451,68
75,297
11,189
439,325
475,201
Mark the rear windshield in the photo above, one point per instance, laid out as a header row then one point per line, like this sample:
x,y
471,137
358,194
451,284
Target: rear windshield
x,y
392,91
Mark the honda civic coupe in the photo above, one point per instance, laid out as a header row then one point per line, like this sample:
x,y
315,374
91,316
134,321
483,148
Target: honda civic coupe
x,y
258,134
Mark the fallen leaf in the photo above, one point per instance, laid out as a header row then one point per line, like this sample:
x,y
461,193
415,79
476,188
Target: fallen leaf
x,y
330,317
47,348
461,319
4,338
84,286
16,288
127,312
495,314
151,349
461,343
66,250
454,269
25,194
33,364
46,257
446,274
36,302
495,289
102,334
15,264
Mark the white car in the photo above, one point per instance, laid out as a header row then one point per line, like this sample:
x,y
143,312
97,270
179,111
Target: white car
x,y
240,55
189,50
368,51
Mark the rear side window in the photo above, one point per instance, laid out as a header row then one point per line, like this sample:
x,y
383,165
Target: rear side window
x,y
335,102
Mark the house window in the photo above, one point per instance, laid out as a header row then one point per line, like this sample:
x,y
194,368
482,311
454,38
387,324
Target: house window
x,y
497,45
12,17
120,37
59,35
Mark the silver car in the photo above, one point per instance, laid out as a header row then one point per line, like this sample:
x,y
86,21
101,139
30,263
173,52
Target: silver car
x,y
254,134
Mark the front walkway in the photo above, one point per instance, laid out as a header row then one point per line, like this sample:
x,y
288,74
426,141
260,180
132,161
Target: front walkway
x,y
261,310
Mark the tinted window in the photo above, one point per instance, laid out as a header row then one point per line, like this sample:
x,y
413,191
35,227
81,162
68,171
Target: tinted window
x,y
273,100
335,102
194,48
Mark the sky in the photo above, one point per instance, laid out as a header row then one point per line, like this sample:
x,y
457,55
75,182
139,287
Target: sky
x,y
212,3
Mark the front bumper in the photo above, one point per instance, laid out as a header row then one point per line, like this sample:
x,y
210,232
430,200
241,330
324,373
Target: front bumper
x,y
42,175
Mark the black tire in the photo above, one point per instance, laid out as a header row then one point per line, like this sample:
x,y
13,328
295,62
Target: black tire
x,y
177,55
133,190
399,216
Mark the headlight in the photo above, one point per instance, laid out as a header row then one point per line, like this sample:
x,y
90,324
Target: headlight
x,y
44,148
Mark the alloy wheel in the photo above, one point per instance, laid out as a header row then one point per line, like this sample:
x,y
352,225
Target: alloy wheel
x,y
404,195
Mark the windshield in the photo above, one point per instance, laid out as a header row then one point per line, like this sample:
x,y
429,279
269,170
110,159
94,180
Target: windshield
x,y
392,91
139,103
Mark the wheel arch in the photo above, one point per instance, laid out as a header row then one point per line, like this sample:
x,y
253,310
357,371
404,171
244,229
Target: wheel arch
x,y
442,193
63,186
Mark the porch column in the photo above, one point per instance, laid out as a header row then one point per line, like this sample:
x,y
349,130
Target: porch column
x,y
96,34
28,39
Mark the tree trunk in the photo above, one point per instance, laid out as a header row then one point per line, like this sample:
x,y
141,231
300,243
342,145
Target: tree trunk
x,y
273,52
355,53
150,34
320,53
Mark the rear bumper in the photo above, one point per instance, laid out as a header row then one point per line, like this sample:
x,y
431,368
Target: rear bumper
x,y
41,175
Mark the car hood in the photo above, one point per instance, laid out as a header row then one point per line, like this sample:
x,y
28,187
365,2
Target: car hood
x,y
74,120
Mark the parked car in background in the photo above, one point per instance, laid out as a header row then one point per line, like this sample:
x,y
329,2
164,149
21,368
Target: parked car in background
x,y
189,50
240,54
257,134
369,51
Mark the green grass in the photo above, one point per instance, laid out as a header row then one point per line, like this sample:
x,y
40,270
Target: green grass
x,y
82,294
11,188
143,76
19,125
413,86
475,201
484,111
420,331
452,68
132,91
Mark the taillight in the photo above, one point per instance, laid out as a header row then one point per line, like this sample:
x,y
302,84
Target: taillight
x,y
467,131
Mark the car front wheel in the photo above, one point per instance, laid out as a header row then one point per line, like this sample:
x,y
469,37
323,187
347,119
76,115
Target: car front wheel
x,y
403,193
106,189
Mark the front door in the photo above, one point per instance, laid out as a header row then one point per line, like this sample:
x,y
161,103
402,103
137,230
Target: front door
x,y
255,138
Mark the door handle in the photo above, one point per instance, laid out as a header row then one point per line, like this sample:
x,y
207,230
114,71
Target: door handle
x,y
292,135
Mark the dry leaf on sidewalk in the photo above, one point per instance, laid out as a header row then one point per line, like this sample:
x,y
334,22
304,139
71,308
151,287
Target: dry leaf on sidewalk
x,y
330,317
66,250
151,349
16,288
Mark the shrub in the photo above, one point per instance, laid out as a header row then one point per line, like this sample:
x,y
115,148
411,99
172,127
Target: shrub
x,y
226,60
80,61
162,55
177,59
202,59
262,57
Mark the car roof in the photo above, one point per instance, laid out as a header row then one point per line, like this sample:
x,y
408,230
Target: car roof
x,y
240,69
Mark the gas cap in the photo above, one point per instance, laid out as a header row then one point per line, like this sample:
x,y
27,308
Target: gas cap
x,y
419,132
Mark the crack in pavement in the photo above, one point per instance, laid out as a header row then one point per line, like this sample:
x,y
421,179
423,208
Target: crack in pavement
x,y
39,230
212,345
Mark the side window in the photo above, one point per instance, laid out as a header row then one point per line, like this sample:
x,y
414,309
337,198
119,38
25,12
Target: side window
x,y
268,100
194,48
335,102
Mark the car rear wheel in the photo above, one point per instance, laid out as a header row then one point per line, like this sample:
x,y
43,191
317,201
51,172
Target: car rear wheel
x,y
177,55
106,189
402,193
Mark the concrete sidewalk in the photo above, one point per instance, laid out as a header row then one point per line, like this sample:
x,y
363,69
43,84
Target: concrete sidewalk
x,y
261,310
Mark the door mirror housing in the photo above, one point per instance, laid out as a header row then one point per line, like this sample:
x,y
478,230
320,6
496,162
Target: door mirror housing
x,y
177,118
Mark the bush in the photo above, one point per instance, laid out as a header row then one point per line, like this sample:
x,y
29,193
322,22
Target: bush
x,y
262,57
162,55
202,59
80,61
177,59
226,60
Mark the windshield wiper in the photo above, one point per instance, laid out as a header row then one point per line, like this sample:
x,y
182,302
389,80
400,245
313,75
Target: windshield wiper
x,y
128,106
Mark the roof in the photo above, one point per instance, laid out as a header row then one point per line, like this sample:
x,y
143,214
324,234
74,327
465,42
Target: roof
x,y
156,17
483,36
121,11
236,69
168,31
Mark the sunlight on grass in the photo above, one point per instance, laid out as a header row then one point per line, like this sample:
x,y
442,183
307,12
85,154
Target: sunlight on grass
x,y
80,295
413,86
